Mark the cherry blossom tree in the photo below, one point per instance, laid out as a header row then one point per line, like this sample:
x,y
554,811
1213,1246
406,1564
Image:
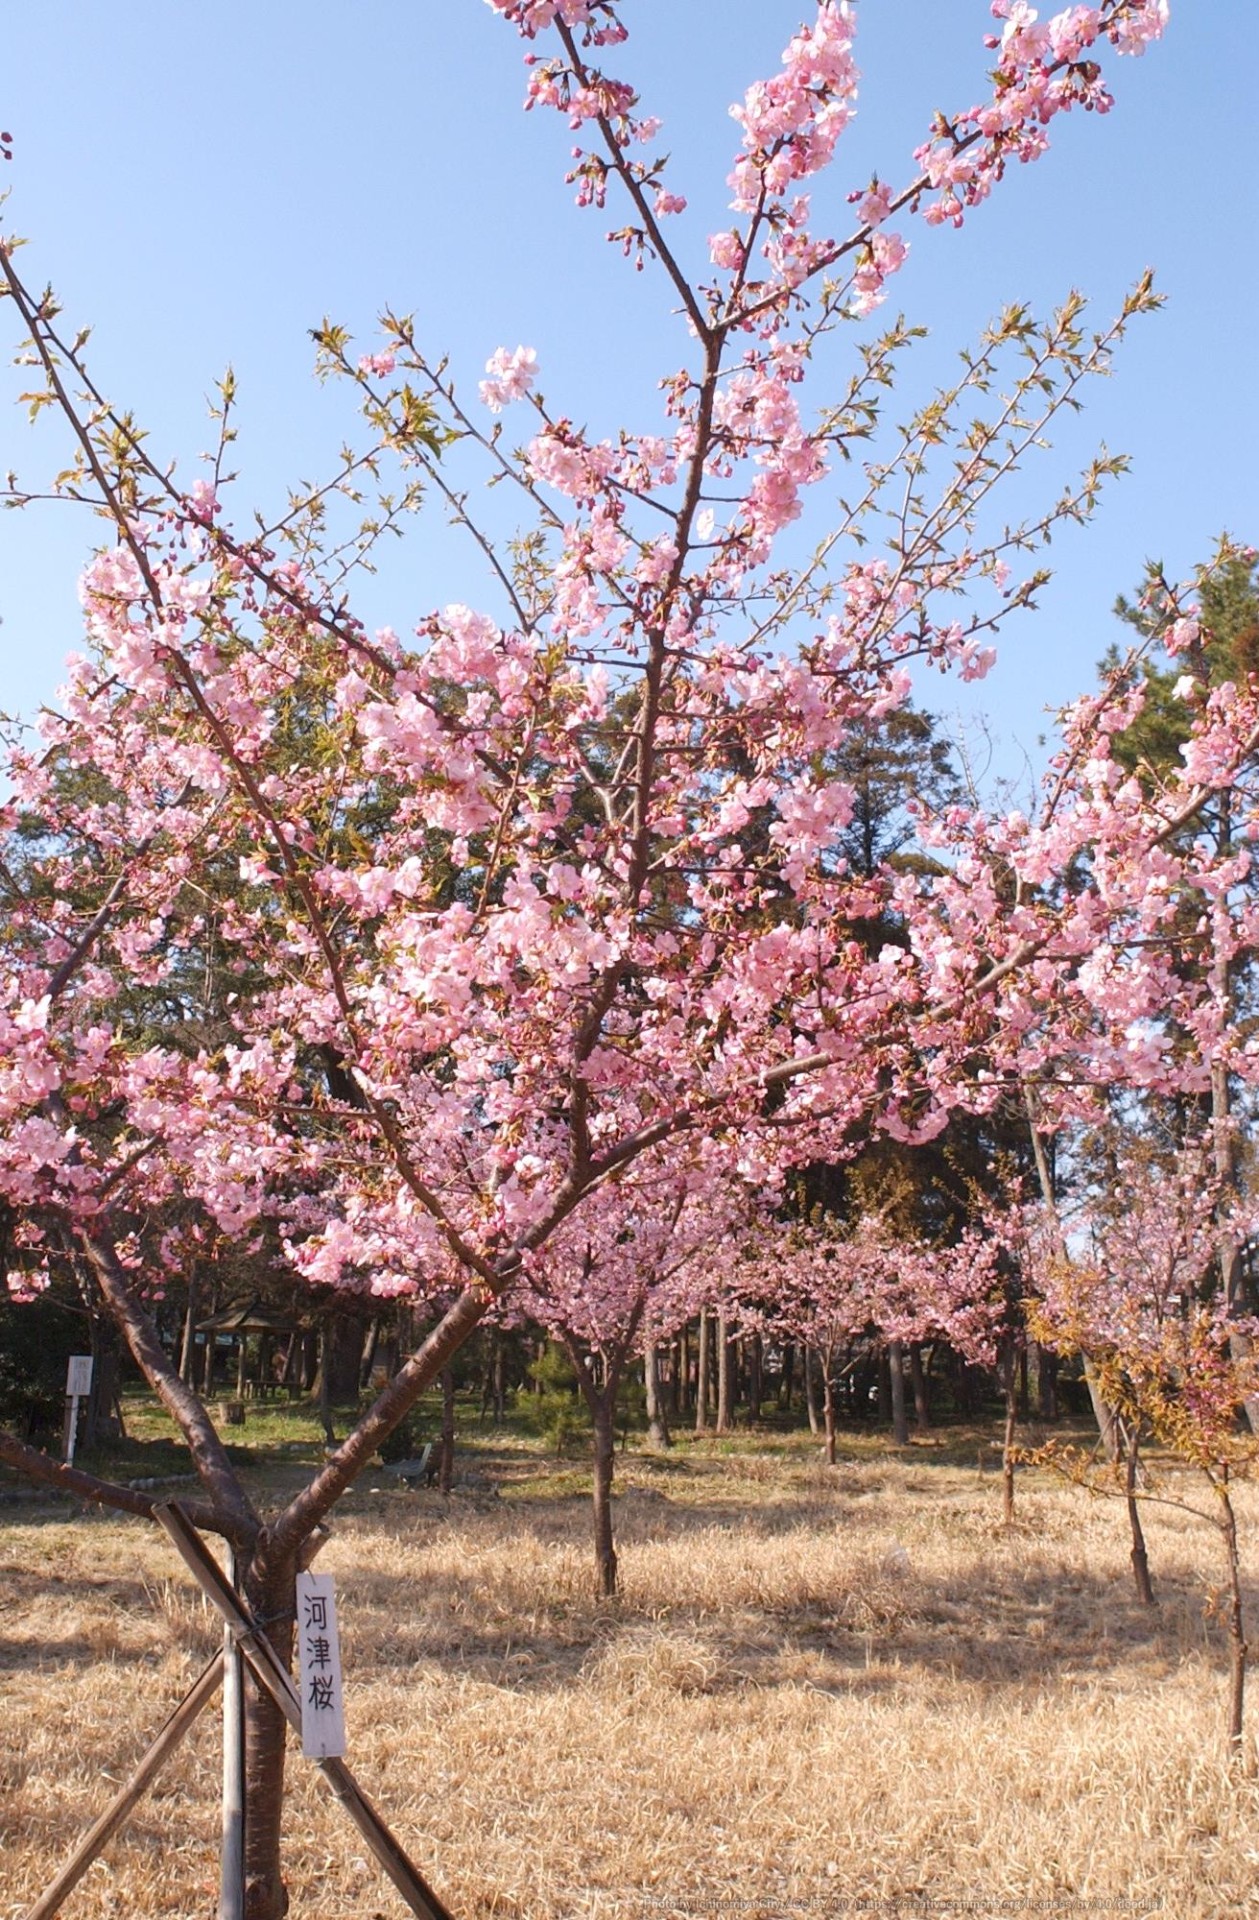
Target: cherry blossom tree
x,y
619,1276
535,894
827,1285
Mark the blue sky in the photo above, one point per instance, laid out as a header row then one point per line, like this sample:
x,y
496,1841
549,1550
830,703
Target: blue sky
x,y
204,184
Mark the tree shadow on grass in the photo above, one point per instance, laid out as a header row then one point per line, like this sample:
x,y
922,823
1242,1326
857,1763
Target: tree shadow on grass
x,y
513,1605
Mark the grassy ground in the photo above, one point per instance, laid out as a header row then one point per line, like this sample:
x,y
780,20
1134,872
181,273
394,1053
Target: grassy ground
x,y
820,1688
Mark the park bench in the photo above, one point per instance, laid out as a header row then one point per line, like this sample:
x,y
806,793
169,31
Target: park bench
x,y
421,1471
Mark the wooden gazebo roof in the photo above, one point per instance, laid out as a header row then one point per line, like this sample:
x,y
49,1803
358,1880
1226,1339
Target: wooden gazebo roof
x,y
251,1317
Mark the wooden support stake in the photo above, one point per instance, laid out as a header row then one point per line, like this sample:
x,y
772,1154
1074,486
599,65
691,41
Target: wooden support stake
x,y
98,1837
275,1677
232,1852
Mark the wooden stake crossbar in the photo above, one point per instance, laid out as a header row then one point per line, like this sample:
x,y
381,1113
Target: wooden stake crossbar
x,y
98,1837
272,1674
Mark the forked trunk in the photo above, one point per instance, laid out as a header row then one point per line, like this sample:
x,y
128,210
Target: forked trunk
x,y
604,1461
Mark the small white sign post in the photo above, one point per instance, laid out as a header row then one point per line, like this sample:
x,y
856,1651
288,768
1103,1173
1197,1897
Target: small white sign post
x,y
78,1387
319,1667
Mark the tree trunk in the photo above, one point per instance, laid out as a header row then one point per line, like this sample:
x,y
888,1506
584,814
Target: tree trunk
x,y
188,1350
756,1378
1046,1383
896,1377
682,1375
368,1358
1140,1558
325,1389
658,1435
343,1356
274,1549
703,1369
723,1374
810,1390
104,1395
883,1373
918,1379
500,1380
1237,1648
446,1458
604,1461
786,1378
1107,1424
270,1596
1229,1245
1009,1382
828,1407
290,1375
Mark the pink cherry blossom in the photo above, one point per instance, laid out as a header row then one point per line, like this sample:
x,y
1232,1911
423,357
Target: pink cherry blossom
x,y
511,375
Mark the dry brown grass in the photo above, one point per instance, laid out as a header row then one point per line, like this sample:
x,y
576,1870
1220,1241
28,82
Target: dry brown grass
x,y
817,1688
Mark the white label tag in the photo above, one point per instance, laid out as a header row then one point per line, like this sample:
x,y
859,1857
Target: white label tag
x,y
79,1376
319,1667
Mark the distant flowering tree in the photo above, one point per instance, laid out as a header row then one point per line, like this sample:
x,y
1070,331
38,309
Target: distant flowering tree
x,y
533,895
827,1285
1139,1292
623,1273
